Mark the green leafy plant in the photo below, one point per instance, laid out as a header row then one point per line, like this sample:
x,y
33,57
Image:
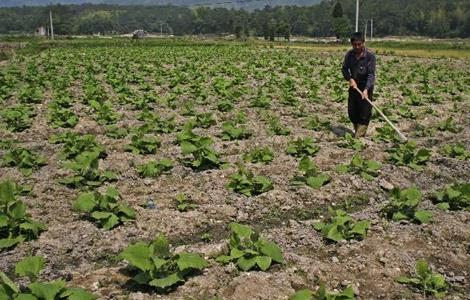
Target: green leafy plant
x,y
183,203
317,124
311,176
18,118
86,170
105,114
244,182
31,94
342,226
259,155
231,132
15,224
302,147
197,150
386,133
454,197
74,144
275,127
425,280
455,151
104,208
115,132
26,160
155,168
367,169
61,116
205,120
31,267
408,155
249,251
323,294
225,105
157,267
449,125
350,142
403,205
143,144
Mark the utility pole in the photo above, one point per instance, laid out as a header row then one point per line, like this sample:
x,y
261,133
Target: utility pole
x,y
371,28
52,26
357,15
161,29
365,30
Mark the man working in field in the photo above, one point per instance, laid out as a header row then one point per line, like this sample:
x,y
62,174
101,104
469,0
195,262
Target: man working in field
x,y
359,69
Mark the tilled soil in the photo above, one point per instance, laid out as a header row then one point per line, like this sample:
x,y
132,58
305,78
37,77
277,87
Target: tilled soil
x,y
87,256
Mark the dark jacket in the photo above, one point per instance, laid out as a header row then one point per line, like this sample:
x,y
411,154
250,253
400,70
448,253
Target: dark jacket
x,y
362,70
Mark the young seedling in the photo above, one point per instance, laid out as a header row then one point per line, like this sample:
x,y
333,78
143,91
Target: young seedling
x,y
26,160
244,182
155,168
31,267
15,224
367,169
426,281
311,176
249,251
231,132
455,151
352,143
183,203
341,226
403,206
302,147
454,197
104,208
155,266
408,155
259,155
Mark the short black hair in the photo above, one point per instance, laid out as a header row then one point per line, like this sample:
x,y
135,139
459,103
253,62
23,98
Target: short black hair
x,y
357,36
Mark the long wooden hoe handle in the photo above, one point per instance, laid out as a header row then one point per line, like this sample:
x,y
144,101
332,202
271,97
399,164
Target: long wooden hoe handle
x,y
401,135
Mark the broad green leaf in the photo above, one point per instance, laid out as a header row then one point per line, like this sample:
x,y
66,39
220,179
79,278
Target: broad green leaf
x,y
10,242
47,291
78,294
246,263
244,231
138,255
17,210
7,192
443,206
167,281
263,262
9,283
318,181
85,202
99,215
111,222
361,227
272,250
423,216
190,261
161,246
333,233
30,266
302,295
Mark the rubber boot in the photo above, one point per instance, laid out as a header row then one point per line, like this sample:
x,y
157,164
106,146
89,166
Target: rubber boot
x,y
361,131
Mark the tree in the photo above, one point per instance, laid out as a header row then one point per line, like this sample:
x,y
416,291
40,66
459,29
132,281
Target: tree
x,y
337,10
341,28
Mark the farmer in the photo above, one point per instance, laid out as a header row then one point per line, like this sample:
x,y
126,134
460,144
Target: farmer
x,y
359,69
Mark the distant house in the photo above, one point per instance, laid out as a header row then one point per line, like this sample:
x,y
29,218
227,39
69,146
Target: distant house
x,y
40,31
139,34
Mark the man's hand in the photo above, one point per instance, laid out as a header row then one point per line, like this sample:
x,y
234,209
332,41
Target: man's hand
x,y
352,83
365,94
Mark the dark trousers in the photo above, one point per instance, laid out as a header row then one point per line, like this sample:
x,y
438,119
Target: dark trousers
x,y
359,110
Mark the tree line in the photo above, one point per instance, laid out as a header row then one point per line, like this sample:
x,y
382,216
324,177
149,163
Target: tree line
x,y
435,18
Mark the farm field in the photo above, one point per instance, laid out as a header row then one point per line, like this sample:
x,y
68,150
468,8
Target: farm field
x,y
108,152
